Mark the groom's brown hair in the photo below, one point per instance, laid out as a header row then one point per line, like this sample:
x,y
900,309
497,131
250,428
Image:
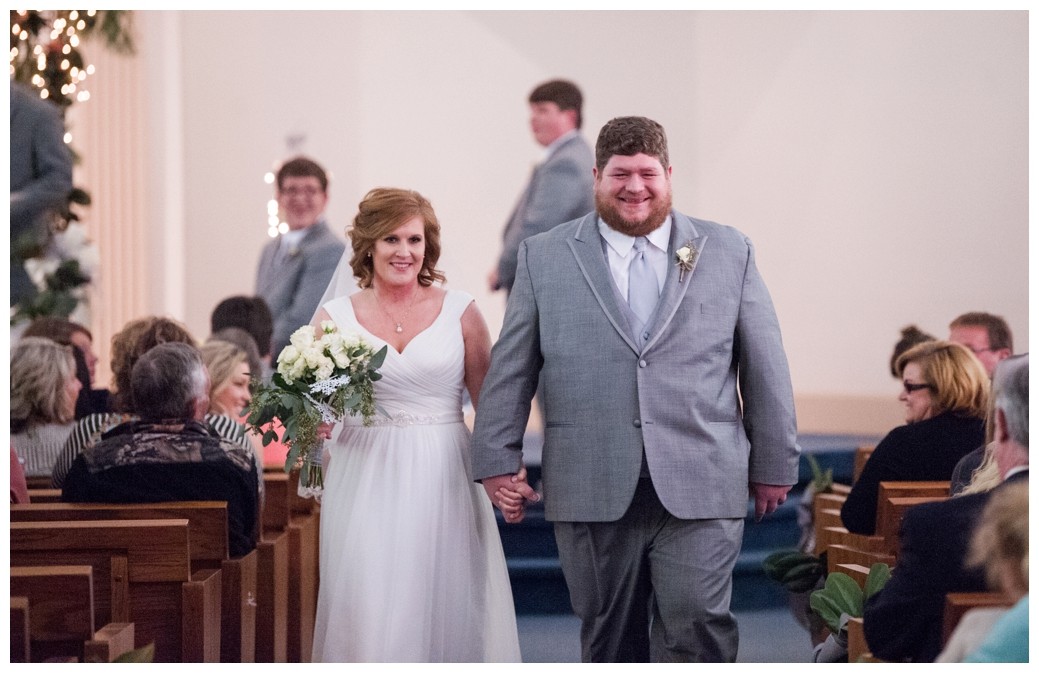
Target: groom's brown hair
x,y
628,136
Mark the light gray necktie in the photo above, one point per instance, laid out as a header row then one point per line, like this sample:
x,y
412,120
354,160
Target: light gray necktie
x,y
643,290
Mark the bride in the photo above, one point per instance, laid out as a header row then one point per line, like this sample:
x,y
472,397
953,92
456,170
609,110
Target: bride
x,y
412,568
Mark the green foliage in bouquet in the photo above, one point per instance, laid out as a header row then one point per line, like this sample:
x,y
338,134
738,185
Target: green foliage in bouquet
x,y
319,379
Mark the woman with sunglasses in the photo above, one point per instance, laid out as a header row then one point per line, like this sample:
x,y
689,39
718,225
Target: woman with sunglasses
x,y
945,392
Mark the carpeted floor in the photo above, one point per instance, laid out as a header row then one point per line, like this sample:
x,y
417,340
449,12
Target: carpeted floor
x,y
766,636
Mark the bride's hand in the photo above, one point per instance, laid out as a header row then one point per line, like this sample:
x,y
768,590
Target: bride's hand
x,y
324,431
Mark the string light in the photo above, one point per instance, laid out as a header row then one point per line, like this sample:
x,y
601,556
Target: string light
x,y
45,43
275,224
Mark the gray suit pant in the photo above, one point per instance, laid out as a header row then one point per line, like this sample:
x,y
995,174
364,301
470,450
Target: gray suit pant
x,y
650,586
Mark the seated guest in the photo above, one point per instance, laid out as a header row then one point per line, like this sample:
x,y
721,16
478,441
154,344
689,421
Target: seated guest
x,y
230,377
128,345
945,390
241,339
170,453
252,315
989,338
44,389
73,334
903,621
1000,546
911,336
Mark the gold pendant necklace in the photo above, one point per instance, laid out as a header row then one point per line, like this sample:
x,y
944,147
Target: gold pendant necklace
x,y
398,324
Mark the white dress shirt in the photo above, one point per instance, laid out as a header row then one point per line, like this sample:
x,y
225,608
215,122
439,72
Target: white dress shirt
x,y
620,249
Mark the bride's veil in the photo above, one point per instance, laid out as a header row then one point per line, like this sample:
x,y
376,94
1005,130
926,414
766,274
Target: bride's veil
x,y
343,282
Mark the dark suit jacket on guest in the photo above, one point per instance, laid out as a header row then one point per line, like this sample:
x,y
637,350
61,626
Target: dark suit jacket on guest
x,y
293,285
923,451
137,462
904,620
561,189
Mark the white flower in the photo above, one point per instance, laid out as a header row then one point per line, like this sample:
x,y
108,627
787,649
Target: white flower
x,y
328,327
303,338
288,355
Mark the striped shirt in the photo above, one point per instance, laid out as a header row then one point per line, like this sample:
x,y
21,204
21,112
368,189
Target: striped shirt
x,y
38,447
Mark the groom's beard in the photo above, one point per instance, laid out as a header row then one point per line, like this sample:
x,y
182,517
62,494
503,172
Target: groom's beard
x,y
612,217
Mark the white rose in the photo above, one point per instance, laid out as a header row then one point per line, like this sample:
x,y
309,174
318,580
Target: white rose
x,y
303,338
328,327
341,359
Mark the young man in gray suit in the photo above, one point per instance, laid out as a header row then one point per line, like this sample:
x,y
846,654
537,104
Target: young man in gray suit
x,y
560,188
640,323
296,267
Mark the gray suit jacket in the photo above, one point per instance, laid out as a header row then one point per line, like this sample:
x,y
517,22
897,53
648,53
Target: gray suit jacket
x,y
294,289
41,174
605,398
560,189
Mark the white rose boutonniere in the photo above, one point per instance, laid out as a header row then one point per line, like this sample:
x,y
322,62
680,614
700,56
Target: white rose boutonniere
x,y
685,259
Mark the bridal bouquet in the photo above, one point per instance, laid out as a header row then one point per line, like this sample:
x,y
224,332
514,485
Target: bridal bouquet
x,y
319,379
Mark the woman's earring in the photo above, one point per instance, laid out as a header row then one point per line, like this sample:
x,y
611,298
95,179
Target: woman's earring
x,y
369,254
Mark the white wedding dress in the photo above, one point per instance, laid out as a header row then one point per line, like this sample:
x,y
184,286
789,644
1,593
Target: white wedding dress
x,y
412,568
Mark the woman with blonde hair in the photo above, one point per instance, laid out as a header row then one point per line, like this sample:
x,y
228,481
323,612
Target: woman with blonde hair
x,y
44,388
229,377
945,391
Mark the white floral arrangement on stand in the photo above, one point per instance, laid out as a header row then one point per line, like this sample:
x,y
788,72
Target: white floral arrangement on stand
x,y
62,275
319,379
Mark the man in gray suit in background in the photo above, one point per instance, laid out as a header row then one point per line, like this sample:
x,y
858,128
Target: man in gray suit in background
x,y
41,178
640,323
560,187
296,267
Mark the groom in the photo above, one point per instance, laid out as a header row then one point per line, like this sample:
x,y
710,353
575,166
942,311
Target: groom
x,y
640,323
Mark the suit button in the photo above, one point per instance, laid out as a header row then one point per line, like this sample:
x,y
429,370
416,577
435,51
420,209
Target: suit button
x,y
637,423
643,363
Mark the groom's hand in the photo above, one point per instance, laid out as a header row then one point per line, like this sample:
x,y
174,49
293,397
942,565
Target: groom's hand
x,y
767,498
510,493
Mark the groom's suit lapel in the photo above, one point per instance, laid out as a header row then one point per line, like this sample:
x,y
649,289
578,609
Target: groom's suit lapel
x,y
587,249
682,232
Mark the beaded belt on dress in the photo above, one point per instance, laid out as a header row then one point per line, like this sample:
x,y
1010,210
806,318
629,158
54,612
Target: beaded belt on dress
x,y
402,418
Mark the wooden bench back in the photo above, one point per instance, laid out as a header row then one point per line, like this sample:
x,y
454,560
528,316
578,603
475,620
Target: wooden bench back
x,y
139,567
891,511
207,520
862,454
957,605
44,494
61,603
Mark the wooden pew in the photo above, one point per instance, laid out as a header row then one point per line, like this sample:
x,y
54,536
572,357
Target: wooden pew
x,y
957,605
208,540
44,495
62,619
862,454
911,489
62,609
858,650
286,513
110,641
890,513
141,574
38,482
19,630
272,574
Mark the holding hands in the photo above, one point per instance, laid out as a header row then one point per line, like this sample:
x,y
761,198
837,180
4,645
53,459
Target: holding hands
x,y
510,493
